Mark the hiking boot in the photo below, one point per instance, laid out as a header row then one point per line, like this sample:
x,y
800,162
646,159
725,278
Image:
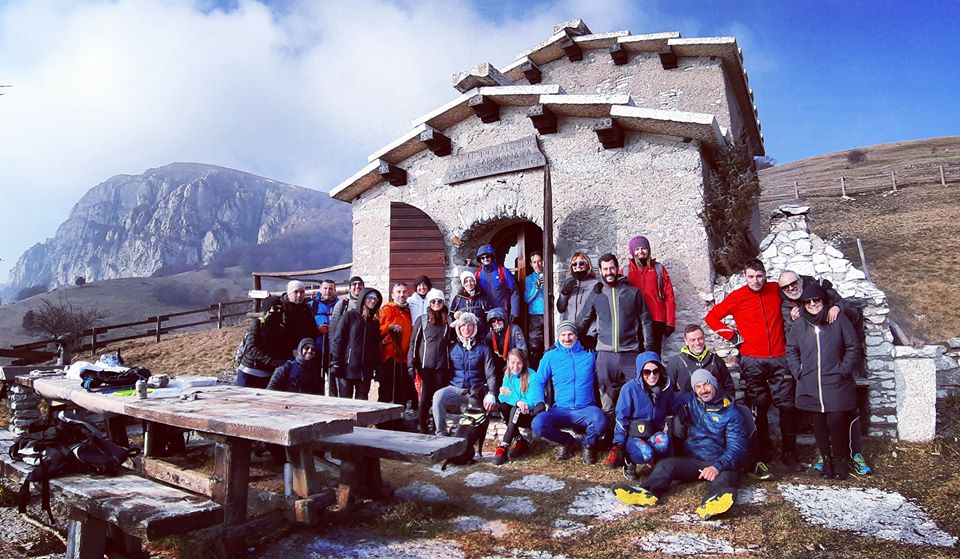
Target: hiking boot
x,y
589,455
715,505
520,447
826,468
565,452
859,465
818,464
841,469
630,472
761,472
500,456
615,459
634,495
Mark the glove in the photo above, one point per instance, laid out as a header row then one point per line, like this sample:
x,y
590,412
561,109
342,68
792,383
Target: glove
x,y
598,288
567,287
667,330
736,340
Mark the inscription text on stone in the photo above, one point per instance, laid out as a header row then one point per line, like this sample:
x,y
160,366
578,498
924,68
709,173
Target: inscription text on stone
x,y
494,160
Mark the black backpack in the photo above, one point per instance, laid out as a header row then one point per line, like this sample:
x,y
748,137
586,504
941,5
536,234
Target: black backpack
x,y
91,379
66,447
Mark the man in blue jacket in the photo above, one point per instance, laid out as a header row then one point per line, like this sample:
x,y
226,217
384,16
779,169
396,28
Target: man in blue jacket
x,y
570,368
715,449
533,295
323,304
497,283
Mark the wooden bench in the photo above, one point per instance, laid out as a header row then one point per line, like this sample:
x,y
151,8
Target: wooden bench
x,y
360,452
113,515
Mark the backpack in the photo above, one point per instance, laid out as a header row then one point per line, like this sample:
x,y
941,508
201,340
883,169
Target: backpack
x,y
62,449
91,379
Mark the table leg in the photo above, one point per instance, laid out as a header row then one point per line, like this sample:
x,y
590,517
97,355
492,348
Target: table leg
x,y
305,480
231,476
117,430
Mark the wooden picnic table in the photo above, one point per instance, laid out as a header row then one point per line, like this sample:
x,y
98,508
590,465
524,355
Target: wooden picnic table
x,y
233,417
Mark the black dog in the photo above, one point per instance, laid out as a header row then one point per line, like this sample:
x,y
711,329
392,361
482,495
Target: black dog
x,y
472,426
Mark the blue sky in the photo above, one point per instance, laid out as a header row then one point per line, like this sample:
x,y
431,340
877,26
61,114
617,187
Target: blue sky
x,y
301,91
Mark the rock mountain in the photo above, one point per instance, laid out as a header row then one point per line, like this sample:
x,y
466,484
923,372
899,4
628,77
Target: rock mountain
x,y
186,215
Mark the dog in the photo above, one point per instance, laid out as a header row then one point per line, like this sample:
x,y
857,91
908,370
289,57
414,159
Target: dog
x,y
472,426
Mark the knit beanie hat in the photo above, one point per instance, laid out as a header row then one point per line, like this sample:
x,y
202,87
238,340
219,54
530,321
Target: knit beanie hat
x,y
637,242
356,279
295,285
703,375
466,274
434,294
422,279
566,326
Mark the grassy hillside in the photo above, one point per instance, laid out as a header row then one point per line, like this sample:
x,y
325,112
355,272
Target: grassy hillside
x,y
909,237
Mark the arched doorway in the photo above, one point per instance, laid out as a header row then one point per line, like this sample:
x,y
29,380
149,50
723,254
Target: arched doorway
x,y
514,244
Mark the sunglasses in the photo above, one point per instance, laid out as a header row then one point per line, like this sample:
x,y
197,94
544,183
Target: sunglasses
x,y
486,257
651,372
791,286
813,301
436,302
578,264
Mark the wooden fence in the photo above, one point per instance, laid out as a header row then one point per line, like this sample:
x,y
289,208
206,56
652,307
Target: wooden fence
x,y
922,174
96,337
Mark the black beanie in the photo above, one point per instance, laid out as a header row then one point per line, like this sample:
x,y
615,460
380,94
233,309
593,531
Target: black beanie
x,y
422,279
355,279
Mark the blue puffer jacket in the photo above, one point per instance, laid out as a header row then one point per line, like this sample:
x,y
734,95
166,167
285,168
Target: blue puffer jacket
x,y
473,366
640,403
716,431
571,369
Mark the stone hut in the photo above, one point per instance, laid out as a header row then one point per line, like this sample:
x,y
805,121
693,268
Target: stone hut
x,y
580,144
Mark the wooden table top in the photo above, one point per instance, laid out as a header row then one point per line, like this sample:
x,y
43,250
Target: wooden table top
x,y
270,416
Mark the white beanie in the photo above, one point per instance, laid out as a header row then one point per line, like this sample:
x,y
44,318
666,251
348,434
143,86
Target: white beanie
x,y
434,294
294,285
466,274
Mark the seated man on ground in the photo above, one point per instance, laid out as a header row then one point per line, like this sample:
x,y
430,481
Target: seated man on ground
x,y
639,436
517,404
715,449
301,374
570,368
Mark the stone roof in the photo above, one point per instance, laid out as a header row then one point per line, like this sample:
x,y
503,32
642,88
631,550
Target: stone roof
x,y
487,81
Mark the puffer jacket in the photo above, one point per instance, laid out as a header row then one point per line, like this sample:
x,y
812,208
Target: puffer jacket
x,y
758,318
430,346
639,402
716,431
322,311
393,314
512,382
682,365
265,344
623,322
823,359
298,321
476,304
356,353
473,366
571,370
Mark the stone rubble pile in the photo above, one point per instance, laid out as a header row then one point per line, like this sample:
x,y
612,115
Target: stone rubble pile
x,y
24,404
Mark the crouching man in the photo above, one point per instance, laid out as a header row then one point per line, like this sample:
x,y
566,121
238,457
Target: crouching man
x,y
715,449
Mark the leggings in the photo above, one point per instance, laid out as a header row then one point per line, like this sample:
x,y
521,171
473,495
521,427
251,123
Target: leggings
x,y
831,429
514,419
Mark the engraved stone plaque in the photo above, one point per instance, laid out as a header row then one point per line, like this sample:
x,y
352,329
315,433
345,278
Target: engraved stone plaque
x,y
494,160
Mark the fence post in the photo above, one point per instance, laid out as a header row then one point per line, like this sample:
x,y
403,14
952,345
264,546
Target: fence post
x,y
93,341
863,260
158,328
843,186
893,179
942,181
256,287
796,190
219,315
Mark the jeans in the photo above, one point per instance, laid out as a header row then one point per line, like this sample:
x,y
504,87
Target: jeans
x,y
251,381
353,388
448,396
589,420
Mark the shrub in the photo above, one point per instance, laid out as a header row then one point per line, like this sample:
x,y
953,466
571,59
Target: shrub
x,y
855,156
733,189
80,281
63,319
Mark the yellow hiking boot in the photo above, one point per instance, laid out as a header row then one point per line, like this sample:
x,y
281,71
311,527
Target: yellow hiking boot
x,y
715,505
633,495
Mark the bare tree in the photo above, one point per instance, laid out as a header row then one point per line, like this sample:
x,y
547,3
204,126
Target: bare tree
x,y
63,320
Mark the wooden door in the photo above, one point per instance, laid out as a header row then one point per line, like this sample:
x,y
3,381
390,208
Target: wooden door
x,y
416,247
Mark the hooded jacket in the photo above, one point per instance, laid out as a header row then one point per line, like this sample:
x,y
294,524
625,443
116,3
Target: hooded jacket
x,y
393,314
473,365
640,402
342,306
623,322
265,342
498,284
662,309
716,431
356,351
299,375
517,394
498,343
682,365
758,318
430,346
571,371
298,321
822,356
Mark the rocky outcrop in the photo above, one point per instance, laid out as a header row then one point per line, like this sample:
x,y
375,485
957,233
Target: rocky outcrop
x,y
178,216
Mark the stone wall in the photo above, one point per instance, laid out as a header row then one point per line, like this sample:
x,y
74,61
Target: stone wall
x,y
791,246
651,186
948,369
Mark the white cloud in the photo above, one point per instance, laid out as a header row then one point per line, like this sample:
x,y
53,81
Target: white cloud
x,y
300,93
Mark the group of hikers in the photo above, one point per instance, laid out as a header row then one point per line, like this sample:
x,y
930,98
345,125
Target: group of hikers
x,y
675,419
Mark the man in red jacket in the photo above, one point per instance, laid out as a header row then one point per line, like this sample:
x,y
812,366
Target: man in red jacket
x,y
763,366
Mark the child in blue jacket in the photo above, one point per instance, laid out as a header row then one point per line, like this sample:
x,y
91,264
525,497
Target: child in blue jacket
x,y
519,402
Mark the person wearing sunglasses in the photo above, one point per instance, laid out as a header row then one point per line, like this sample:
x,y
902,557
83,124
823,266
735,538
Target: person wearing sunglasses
x,y
577,288
355,357
264,346
639,434
428,359
301,374
497,283
822,356
349,302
